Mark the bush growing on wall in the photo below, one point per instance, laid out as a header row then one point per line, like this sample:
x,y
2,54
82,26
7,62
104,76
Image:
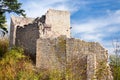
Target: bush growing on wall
x,y
14,65
115,66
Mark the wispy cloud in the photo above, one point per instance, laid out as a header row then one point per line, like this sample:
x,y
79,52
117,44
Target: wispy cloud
x,y
100,29
109,22
38,7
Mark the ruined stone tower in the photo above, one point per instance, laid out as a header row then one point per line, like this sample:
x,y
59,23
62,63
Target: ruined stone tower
x,y
53,24
59,21
42,38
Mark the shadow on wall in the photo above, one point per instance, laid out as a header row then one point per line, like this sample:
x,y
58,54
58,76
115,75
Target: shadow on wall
x,y
26,37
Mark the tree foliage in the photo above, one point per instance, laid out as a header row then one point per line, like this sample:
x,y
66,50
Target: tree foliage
x,y
2,22
9,6
115,66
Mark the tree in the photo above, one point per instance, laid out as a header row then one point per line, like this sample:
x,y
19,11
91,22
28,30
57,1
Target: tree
x,y
115,66
115,60
9,6
2,22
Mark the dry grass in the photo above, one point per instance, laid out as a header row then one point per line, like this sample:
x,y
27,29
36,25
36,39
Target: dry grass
x,y
3,46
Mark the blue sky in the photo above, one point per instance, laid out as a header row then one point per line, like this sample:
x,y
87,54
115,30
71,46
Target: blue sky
x,y
91,20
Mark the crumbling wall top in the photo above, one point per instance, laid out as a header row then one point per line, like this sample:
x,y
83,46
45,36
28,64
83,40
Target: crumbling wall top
x,y
21,21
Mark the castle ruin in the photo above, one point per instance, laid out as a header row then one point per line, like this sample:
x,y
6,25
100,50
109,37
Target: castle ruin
x,y
47,39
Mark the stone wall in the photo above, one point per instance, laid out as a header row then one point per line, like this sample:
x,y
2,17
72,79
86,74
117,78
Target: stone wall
x,y
51,54
79,57
78,46
92,54
26,37
17,21
91,67
55,54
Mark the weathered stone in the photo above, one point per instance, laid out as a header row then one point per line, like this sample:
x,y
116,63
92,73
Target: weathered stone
x,y
15,22
51,25
41,38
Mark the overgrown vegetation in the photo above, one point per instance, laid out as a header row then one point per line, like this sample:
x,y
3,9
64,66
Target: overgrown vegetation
x,y
14,65
9,6
115,66
102,71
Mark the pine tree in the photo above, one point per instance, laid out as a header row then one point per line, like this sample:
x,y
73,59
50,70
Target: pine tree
x,y
9,6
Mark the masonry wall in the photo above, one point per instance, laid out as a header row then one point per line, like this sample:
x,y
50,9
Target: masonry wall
x,y
92,54
77,46
51,54
79,57
91,67
26,37
84,54
15,22
76,58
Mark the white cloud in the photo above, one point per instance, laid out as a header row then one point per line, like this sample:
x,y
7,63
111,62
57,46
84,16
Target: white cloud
x,y
96,29
39,7
93,25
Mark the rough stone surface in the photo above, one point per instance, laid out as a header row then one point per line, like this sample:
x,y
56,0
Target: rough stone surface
x,y
91,66
26,38
15,22
79,56
59,21
41,38
51,25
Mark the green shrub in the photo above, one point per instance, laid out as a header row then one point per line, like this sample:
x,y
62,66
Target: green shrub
x,y
115,66
102,71
15,66
56,75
